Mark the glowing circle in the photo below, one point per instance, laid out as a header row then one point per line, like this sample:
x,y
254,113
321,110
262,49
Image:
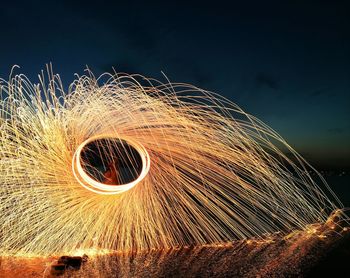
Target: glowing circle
x,y
96,186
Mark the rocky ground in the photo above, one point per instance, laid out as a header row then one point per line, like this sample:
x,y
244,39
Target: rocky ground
x,y
312,253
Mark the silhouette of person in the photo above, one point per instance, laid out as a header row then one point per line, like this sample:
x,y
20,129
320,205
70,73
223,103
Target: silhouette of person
x,y
111,176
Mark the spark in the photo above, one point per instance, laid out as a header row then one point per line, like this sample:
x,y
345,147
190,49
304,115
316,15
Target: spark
x,y
210,173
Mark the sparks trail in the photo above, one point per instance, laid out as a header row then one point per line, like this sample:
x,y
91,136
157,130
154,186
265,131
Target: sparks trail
x,y
202,170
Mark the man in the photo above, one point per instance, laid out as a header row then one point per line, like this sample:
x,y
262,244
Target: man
x,y
111,176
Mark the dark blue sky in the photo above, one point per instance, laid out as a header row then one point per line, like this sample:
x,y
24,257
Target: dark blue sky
x,y
287,62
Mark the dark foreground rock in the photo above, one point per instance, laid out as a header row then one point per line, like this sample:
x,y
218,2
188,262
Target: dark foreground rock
x,y
66,263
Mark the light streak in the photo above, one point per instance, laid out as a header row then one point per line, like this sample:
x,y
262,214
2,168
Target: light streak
x,y
91,184
211,173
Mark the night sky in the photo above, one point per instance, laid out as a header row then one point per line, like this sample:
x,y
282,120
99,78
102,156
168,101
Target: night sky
x,y
286,62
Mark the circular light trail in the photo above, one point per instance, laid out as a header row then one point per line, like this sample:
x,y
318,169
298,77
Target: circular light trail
x,y
108,189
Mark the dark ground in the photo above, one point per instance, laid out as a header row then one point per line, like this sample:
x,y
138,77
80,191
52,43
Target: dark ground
x,y
335,262
323,253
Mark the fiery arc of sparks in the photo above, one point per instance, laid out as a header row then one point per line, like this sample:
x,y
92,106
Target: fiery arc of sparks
x,y
211,173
